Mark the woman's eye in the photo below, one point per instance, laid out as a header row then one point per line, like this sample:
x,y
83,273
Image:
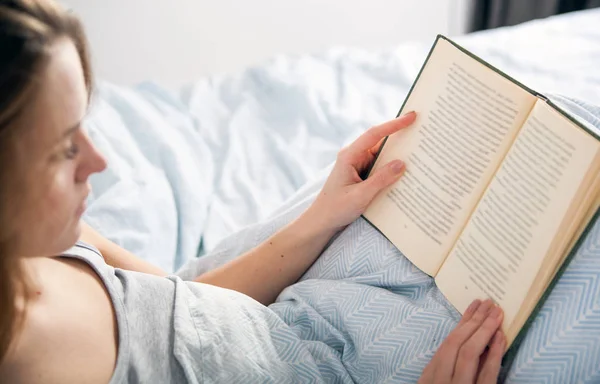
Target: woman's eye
x,y
72,151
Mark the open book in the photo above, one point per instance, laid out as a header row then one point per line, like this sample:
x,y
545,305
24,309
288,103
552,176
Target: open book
x,y
499,186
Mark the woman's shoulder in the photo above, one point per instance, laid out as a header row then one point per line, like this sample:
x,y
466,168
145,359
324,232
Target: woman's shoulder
x,y
67,328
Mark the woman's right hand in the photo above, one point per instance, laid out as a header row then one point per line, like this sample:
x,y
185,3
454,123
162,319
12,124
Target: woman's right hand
x,y
463,357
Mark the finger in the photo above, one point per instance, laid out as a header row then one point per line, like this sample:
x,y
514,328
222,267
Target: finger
x,y
446,354
374,150
373,135
491,367
382,178
464,330
482,361
471,309
467,362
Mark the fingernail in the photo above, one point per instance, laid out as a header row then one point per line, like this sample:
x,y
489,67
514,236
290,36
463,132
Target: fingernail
x,y
397,166
485,307
496,312
474,305
407,114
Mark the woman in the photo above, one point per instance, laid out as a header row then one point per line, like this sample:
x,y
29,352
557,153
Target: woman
x,y
73,318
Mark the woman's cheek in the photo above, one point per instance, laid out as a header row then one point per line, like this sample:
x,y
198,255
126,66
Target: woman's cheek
x,y
61,194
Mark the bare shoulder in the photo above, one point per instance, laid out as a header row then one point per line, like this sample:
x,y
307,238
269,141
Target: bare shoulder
x,y
70,332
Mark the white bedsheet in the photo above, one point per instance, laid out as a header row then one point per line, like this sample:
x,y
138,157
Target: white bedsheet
x,y
186,169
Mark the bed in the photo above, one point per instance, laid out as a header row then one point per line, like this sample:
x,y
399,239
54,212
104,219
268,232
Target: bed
x,y
190,168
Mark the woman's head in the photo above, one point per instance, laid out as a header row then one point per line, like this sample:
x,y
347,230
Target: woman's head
x,y
45,156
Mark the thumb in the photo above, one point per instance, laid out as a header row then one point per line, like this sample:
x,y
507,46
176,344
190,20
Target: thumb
x,y
383,177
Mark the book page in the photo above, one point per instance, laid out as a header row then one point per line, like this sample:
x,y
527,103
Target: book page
x,y
584,210
467,116
520,216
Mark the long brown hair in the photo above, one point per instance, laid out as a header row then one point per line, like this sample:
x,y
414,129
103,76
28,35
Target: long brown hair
x,y
28,31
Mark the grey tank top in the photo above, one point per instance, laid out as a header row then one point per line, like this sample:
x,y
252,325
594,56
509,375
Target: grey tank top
x,y
175,331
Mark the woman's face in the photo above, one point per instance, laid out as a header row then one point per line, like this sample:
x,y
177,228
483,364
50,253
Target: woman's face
x,y
56,158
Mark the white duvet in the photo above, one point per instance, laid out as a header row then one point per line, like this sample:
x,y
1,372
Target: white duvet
x,y
188,168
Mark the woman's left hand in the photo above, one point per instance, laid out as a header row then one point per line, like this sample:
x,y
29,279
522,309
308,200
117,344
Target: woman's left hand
x,y
345,196
279,261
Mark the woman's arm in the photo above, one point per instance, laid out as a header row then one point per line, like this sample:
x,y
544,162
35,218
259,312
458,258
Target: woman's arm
x,y
280,261
266,270
116,256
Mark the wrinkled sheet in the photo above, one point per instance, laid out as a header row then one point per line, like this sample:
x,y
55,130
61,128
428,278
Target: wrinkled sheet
x,y
187,168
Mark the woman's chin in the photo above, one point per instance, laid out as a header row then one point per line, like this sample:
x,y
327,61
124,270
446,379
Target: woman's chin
x,y
69,240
